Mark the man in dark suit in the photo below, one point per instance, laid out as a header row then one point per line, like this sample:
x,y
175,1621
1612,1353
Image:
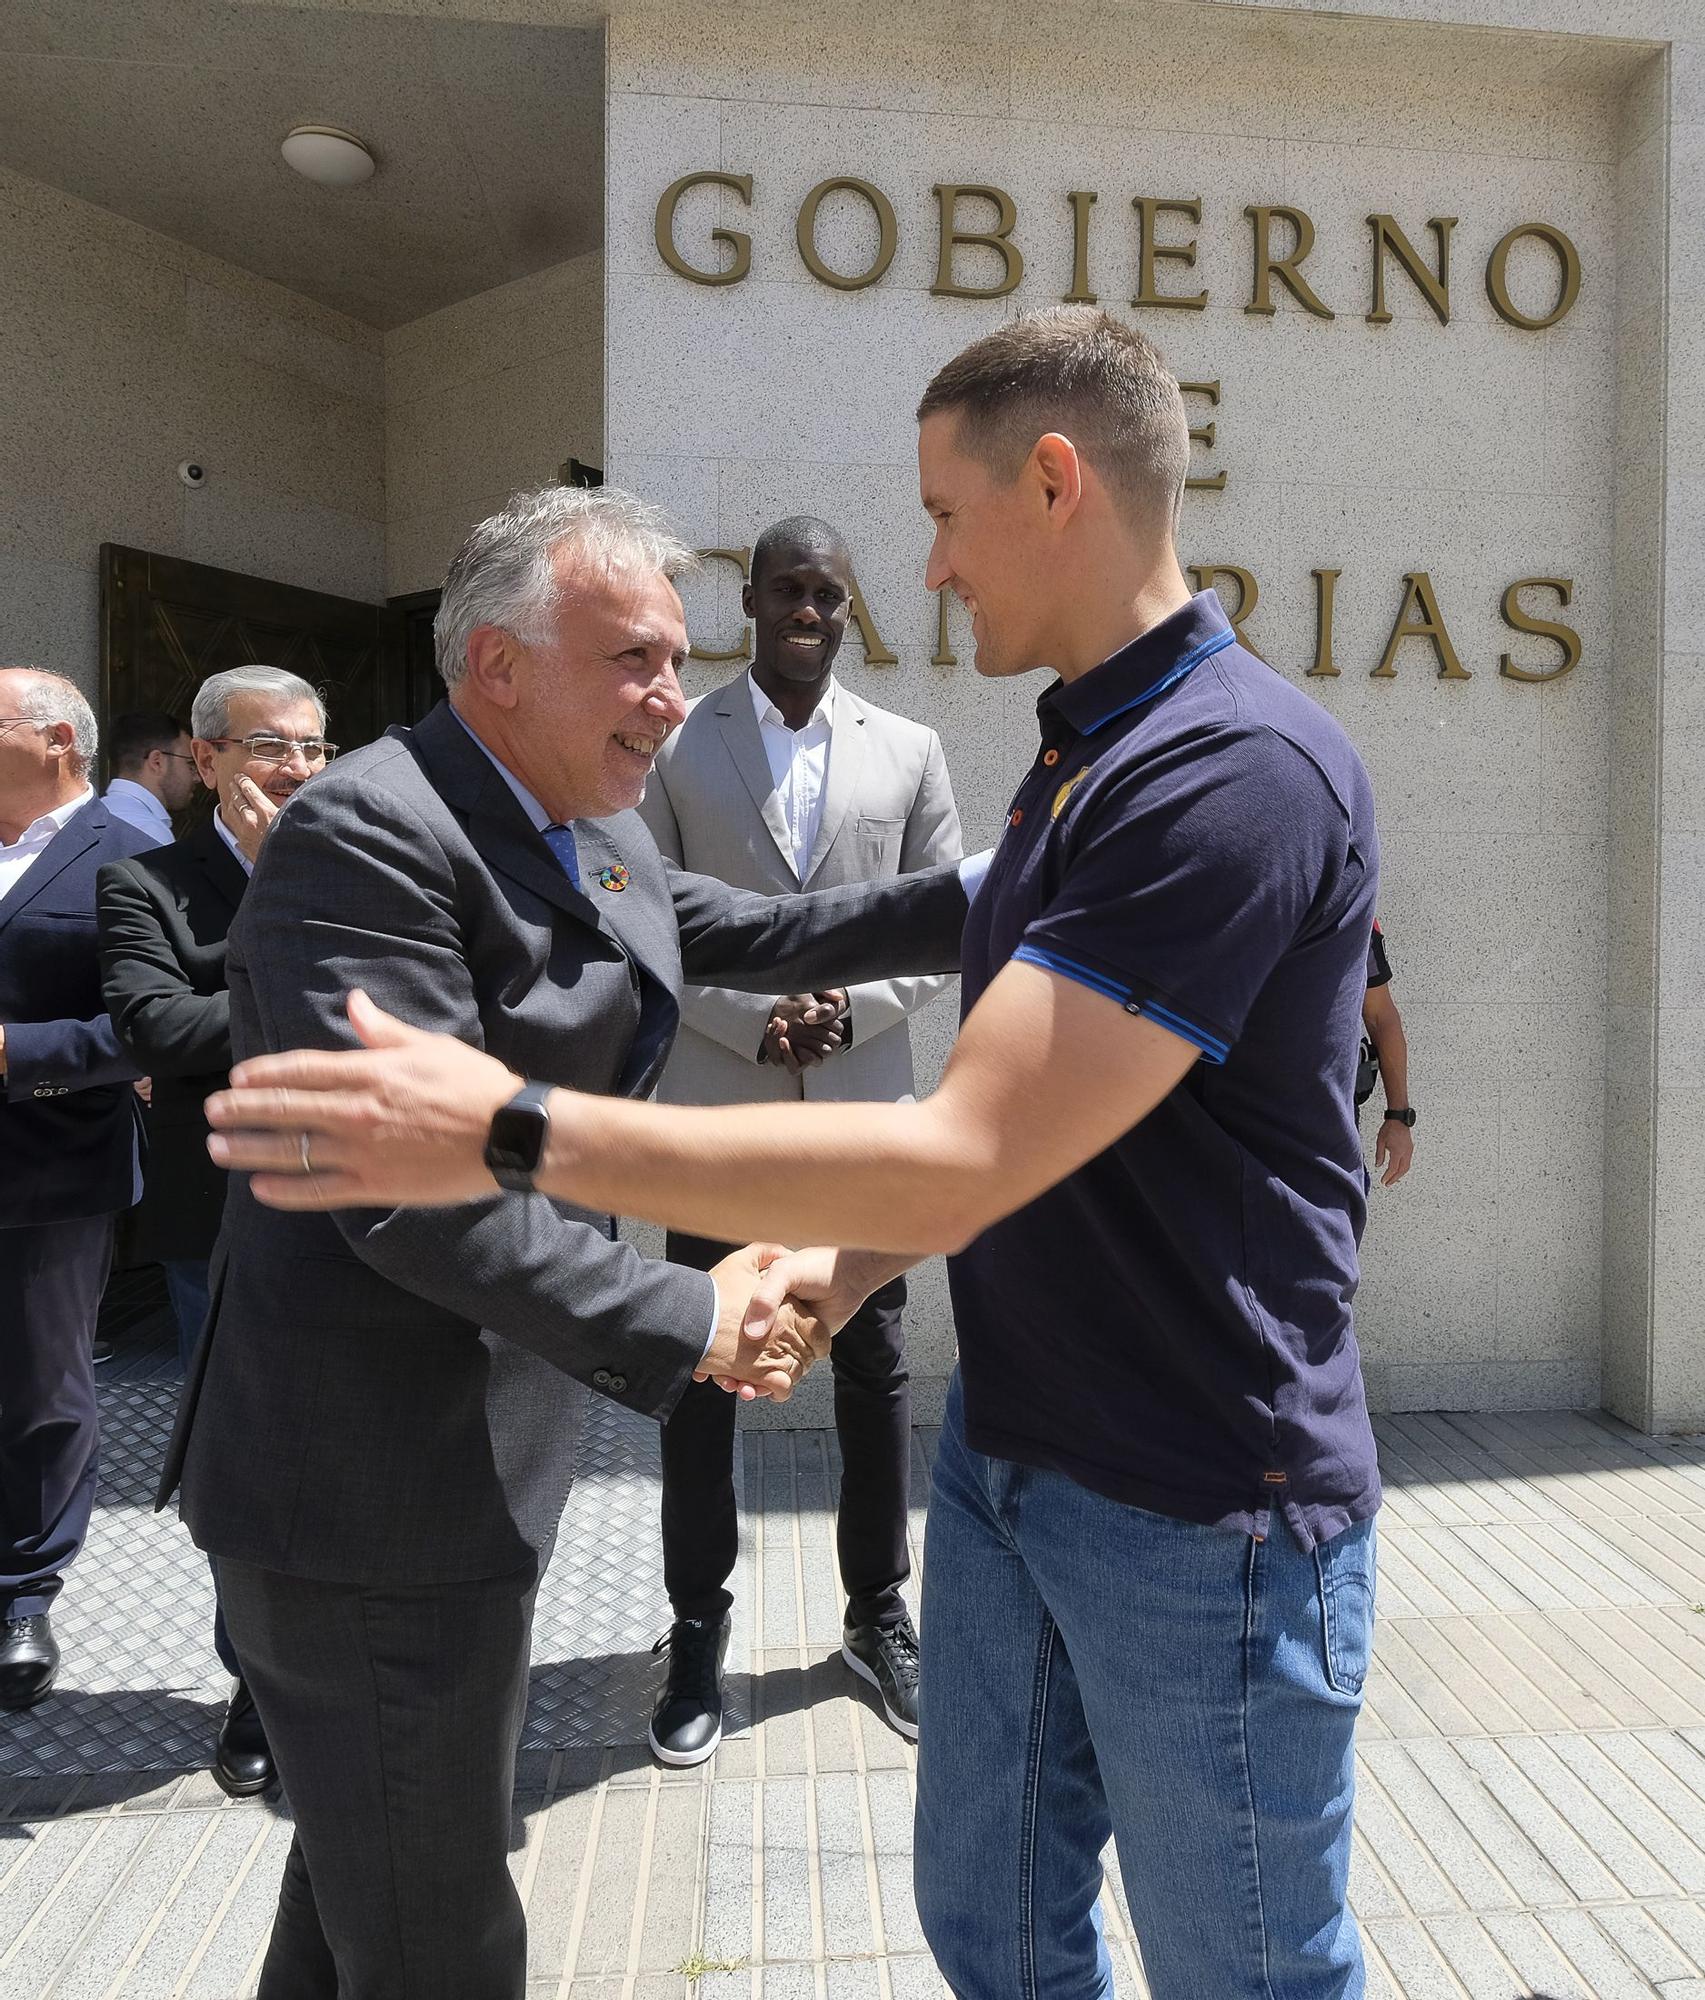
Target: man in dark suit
x,y
379,1435
260,733
68,1153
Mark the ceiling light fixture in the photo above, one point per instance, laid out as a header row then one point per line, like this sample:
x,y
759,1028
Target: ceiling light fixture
x,y
324,154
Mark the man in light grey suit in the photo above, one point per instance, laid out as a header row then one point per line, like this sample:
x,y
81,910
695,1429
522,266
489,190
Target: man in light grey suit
x,y
779,781
379,1432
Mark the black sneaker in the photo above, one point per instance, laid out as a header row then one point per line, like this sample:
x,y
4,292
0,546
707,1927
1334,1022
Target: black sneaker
x,y
101,1351
887,1657
686,1724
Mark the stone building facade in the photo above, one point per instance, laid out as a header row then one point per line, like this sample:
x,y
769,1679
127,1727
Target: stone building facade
x,y
1435,270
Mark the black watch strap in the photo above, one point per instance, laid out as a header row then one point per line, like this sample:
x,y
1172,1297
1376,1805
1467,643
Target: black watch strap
x,y
1400,1114
516,1142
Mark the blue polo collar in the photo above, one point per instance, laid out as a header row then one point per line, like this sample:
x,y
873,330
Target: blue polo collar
x,y
1147,667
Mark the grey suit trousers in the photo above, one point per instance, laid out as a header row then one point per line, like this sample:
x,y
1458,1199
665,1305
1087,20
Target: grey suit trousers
x,y
393,1714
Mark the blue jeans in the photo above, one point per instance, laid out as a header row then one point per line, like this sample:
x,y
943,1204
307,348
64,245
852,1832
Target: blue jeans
x,y
186,1287
1093,1669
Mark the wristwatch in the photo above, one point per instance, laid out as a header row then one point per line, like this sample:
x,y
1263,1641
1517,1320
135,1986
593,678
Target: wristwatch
x,y
516,1142
1404,1117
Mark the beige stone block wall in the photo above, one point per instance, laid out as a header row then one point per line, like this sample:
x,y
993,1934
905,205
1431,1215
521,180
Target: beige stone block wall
x,y
489,395
124,353
1475,452
1676,1383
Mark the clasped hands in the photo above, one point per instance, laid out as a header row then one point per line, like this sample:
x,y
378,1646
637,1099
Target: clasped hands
x,y
777,1311
805,1028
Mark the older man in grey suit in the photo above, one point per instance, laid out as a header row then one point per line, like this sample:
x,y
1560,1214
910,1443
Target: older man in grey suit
x,y
781,780
379,1435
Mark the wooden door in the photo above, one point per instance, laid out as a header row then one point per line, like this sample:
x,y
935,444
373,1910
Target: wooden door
x,y
167,624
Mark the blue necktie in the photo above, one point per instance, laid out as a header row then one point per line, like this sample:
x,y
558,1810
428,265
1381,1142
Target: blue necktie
x,y
560,841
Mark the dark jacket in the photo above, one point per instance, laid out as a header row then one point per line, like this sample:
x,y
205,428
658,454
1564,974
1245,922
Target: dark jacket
x,y
393,1397
68,1116
163,920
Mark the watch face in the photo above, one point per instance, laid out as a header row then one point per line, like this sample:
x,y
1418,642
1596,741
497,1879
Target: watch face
x,y
517,1139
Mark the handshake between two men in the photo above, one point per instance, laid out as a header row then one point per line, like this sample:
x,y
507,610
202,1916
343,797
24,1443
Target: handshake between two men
x,y
767,1335
403,1122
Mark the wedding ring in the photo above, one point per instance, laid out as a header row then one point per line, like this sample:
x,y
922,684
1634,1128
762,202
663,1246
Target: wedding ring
x,y
307,1160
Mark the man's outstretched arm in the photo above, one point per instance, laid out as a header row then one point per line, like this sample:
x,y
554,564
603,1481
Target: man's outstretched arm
x,y
1046,1074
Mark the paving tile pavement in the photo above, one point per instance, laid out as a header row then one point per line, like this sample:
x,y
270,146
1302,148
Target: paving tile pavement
x,y
1532,1802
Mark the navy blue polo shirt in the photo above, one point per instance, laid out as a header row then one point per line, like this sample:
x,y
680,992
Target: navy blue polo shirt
x,y
1170,1325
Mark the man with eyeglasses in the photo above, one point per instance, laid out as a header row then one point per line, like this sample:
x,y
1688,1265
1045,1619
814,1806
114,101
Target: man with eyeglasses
x,y
259,737
153,771
68,1153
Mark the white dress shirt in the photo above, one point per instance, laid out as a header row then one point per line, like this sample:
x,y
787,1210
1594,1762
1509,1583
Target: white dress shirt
x,y
17,859
230,840
799,767
138,807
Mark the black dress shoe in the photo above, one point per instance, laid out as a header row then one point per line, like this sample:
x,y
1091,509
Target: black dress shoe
x,y
242,1763
29,1660
686,1724
887,1657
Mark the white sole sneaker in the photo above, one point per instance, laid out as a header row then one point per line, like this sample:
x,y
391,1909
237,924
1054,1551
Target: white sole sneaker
x,y
680,1760
907,1729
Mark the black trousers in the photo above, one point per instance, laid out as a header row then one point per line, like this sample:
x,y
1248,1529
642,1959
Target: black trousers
x,y
52,1275
873,1417
393,1715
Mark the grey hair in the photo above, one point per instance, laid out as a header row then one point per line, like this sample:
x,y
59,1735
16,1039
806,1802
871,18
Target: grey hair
x,y
210,717
47,697
502,574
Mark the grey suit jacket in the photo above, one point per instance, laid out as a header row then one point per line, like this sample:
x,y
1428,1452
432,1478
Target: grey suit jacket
x,y
394,1396
887,810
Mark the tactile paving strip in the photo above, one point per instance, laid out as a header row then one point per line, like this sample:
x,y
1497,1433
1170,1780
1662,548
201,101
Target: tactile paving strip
x,y
140,1690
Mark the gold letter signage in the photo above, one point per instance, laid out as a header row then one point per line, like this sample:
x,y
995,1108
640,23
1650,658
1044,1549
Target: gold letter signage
x,y
1268,267
1149,208
999,238
1519,620
887,233
1568,276
1207,482
1080,294
664,229
1435,290
742,649
984,263
1388,244
1418,596
1419,616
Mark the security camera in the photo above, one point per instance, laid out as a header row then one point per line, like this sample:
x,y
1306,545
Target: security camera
x,y
192,472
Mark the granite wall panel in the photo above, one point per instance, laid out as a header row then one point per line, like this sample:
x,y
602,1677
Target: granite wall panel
x,y
488,396
1473,451
126,352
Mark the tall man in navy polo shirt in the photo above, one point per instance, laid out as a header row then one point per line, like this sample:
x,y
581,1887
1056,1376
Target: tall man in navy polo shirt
x,y
1149,1594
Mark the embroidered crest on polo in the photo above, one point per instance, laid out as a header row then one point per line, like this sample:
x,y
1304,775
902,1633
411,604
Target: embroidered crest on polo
x,y
614,878
1066,790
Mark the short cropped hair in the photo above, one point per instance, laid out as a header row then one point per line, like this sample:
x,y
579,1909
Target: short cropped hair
x,y
133,737
47,697
210,717
801,533
1079,371
503,573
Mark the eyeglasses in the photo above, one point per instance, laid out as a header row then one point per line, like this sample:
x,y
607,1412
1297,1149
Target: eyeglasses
x,y
28,722
177,756
280,749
